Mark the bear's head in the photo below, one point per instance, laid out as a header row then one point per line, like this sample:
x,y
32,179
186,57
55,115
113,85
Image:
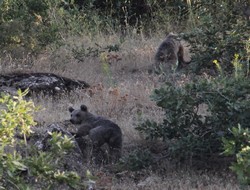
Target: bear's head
x,y
78,116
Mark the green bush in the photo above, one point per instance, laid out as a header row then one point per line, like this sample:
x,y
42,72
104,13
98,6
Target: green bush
x,y
136,13
238,145
28,167
33,24
218,32
26,24
189,133
30,25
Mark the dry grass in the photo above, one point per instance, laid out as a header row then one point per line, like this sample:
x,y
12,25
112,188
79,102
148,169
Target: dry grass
x,y
123,95
181,179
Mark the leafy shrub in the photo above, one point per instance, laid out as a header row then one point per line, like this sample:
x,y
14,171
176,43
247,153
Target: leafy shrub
x,y
225,101
218,32
238,145
30,25
26,24
21,169
143,16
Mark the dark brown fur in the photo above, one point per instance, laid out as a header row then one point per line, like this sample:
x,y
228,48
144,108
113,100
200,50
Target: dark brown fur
x,y
246,12
99,129
170,54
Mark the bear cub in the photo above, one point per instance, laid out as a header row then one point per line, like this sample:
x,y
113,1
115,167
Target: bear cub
x,y
99,129
170,54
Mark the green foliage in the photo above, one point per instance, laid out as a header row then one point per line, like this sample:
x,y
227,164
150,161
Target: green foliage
x,y
238,145
141,15
220,31
199,114
19,169
31,25
45,164
26,24
137,160
16,114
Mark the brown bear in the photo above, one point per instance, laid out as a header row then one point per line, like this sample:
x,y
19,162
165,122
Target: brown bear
x,y
99,129
170,54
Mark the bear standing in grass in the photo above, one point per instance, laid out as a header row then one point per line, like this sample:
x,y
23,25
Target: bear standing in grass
x,y
99,129
170,54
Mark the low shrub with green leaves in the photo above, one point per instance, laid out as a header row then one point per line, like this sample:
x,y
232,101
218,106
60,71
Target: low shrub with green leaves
x,y
198,114
28,26
238,145
25,24
219,31
29,167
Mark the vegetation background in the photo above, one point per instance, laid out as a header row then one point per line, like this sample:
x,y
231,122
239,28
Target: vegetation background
x,y
182,130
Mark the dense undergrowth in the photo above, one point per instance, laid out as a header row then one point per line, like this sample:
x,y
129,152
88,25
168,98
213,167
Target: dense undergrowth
x,y
30,168
193,135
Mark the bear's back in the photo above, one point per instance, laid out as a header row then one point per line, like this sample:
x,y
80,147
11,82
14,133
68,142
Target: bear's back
x,y
101,121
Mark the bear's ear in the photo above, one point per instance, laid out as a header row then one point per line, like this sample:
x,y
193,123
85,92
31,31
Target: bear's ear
x,y
84,108
71,109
